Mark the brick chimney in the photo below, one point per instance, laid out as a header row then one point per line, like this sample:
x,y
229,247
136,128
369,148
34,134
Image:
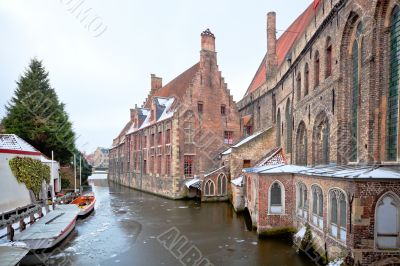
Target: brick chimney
x,y
156,83
207,41
272,61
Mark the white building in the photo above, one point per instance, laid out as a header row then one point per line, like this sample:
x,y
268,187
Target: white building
x,y
12,193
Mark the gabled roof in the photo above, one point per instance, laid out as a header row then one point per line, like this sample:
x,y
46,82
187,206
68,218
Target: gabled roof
x,y
11,143
178,86
273,157
283,46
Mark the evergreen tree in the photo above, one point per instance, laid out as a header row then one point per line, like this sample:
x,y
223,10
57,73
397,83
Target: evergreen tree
x,y
35,114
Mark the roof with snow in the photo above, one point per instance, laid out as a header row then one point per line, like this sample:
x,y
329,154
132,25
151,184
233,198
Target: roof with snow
x,y
248,138
214,171
345,171
11,143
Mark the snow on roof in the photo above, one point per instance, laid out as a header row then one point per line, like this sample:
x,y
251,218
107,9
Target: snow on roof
x,y
213,171
238,181
247,139
259,169
348,172
167,113
227,152
12,142
195,182
285,169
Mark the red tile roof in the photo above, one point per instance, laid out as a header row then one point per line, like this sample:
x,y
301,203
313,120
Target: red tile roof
x,y
178,86
284,45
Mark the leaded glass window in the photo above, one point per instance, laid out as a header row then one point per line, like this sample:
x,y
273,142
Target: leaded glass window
x,y
333,209
393,101
278,129
354,104
315,202
342,212
289,126
276,192
320,204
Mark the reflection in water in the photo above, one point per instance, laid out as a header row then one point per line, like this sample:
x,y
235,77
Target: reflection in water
x,y
123,230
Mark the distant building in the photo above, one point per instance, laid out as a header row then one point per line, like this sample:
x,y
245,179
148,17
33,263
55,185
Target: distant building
x,y
12,193
99,158
178,133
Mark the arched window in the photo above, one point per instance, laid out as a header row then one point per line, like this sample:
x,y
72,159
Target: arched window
x,y
306,79
302,200
301,144
387,222
356,66
321,136
338,214
328,58
393,92
222,184
318,207
298,86
209,188
276,198
278,128
316,69
289,127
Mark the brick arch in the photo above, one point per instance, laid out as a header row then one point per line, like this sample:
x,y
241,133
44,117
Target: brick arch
x,y
381,49
321,139
345,90
301,144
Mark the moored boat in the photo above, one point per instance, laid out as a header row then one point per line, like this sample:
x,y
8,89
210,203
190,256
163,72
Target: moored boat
x,y
51,229
85,204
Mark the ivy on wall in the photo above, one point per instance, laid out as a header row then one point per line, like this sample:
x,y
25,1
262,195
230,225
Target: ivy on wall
x,y
31,172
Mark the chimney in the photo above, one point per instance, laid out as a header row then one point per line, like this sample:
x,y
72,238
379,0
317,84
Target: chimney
x,y
133,112
207,41
156,83
272,61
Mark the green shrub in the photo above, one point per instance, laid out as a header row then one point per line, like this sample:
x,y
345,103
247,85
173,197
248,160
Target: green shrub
x,y
31,172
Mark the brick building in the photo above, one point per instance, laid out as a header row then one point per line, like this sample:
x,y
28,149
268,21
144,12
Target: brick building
x,y
178,133
328,90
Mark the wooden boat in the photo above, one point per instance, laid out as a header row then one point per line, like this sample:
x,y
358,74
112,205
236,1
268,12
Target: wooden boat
x,y
51,229
85,203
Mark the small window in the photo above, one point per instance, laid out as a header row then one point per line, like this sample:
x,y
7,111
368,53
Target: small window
x,y
276,198
159,164
209,188
200,107
144,166
316,69
306,79
223,110
328,71
188,165
298,80
168,136
159,141
246,163
168,164
222,184
228,137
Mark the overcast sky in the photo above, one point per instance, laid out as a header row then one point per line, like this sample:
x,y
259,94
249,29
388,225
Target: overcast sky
x,y
100,54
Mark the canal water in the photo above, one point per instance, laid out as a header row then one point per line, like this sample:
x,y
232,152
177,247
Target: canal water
x,y
129,227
